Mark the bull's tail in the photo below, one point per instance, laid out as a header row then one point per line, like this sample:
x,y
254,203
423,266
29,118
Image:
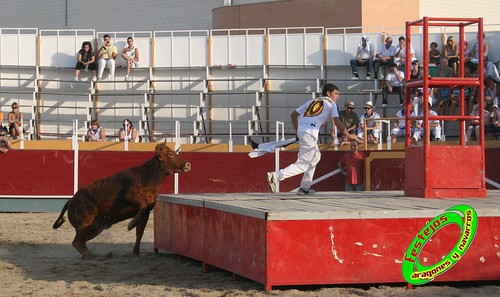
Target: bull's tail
x,y
60,220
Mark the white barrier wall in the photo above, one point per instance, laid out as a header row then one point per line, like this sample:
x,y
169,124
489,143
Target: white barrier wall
x,y
181,48
237,66
18,47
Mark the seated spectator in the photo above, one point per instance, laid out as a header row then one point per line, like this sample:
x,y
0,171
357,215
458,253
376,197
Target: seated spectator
x,y
418,100
106,57
494,127
468,96
350,120
399,125
5,145
451,53
85,60
2,127
444,95
352,166
95,133
384,56
400,56
128,132
474,53
434,54
394,82
364,57
490,70
434,126
15,120
474,125
131,56
372,127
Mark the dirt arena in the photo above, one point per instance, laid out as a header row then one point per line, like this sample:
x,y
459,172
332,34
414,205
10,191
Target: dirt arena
x,y
36,260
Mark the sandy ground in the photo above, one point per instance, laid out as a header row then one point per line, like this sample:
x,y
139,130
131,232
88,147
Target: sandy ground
x,y
36,260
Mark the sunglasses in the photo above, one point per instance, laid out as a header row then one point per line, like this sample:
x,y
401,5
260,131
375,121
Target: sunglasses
x,y
14,107
368,108
1,135
351,108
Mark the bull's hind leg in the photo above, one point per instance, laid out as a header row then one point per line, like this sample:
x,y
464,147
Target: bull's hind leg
x,y
82,236
139,231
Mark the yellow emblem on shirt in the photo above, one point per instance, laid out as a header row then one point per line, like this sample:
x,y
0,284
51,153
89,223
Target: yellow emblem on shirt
x,y
315,108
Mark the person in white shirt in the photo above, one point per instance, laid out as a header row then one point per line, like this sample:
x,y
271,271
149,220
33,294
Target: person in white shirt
x,y
400,56
364,57
394,82
307,121
399,126
384,56
130,55
434,126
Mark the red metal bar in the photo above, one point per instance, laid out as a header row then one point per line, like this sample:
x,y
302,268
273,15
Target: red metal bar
x,y
445,82
481,95
461,71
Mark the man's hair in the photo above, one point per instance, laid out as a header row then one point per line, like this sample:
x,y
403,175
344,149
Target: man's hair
x,y
401,38
435,44
329,88
106,35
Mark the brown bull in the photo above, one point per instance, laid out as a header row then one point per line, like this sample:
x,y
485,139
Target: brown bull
x,y
130,193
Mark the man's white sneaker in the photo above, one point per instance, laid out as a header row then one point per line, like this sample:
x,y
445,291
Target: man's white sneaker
x,y
271,181
354,77
303,192
126,78
94,78
76,78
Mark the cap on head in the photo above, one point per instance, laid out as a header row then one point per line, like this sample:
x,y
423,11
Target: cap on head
x,y
368,104
350,104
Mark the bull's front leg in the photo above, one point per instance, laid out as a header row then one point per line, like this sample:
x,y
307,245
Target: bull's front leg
x,y
142,211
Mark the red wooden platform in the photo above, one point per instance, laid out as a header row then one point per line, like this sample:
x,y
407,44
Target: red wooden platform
x,y
328,238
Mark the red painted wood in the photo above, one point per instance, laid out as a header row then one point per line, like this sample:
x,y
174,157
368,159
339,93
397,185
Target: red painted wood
x,y
50,172
300,252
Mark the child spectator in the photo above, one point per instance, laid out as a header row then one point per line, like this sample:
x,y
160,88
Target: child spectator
x,y
434,54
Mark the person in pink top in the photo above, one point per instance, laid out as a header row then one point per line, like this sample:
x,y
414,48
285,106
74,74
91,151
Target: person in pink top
x,y
352,166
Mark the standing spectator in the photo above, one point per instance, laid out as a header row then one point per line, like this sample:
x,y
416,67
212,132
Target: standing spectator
x,y
352,166
434,54
384,56
15,119
106,57
394,82
364,57
400,56
451,52
372,127
350,120
5,145
434,126
131,56
85,60
128,132
96,132
443,95
307,121
399,126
